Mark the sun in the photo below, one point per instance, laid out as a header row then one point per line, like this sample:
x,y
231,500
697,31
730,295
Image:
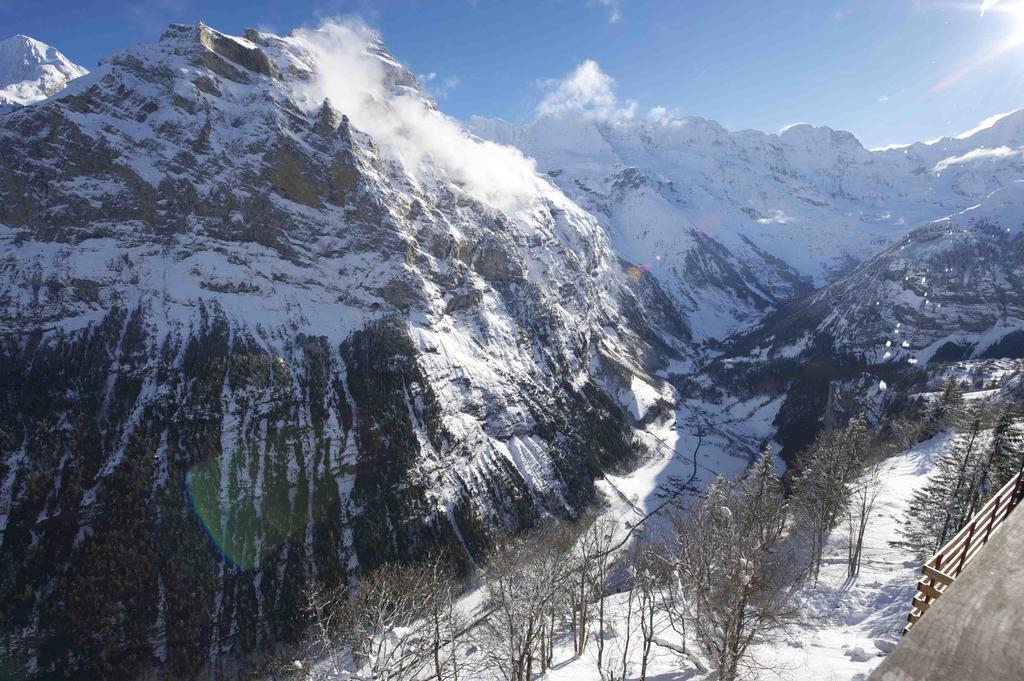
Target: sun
x,y
1015,14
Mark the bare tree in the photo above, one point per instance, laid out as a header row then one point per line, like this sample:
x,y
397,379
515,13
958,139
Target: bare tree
x,y
395,624
901,434
443,616
293,663
328,614
622,627
526,580
389,630
646,575
590,561
864,494
735,568
673,602
823,484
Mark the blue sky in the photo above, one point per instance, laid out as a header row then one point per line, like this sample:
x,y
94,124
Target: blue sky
x,y
889,71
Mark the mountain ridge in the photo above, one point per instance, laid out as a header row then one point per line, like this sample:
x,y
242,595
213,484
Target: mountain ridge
x,y
949,291
804,204
264,326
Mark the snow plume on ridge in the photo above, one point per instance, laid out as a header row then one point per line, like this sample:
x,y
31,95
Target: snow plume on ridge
x,y
985,124
349,71
974,155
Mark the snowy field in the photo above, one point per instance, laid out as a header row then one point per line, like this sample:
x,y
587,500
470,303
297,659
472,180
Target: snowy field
x,y
852,624
700,441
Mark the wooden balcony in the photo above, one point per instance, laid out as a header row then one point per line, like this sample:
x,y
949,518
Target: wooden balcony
x,y
974,626
946,565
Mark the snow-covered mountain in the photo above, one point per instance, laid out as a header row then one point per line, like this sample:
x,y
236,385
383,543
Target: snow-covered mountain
x,y
732,223
950,290
260,295
953,282
268,316
31,71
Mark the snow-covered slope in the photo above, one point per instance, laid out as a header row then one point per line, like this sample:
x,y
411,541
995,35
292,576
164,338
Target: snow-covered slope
x,y
950,289
730,222
849,625
268,316
31,71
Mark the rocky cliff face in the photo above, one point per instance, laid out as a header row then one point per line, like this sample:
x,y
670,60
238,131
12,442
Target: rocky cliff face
x,y
247,343
269,316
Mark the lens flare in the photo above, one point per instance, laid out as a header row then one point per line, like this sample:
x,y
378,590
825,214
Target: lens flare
x,y
248,522
1014,14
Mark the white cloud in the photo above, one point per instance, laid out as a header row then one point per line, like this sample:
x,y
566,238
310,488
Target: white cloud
x,y
974,155
658,114
449,84
359,82
883,99
153,17
588,90
613,7
438,87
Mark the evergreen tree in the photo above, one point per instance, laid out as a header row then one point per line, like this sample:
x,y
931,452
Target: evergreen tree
x,y
947,501
1007,454
763,491
947,407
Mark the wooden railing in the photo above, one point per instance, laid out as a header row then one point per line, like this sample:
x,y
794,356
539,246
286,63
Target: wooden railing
x,y
945,566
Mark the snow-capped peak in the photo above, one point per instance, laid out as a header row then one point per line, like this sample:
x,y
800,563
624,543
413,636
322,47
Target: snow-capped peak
x,y
991,122
31,71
